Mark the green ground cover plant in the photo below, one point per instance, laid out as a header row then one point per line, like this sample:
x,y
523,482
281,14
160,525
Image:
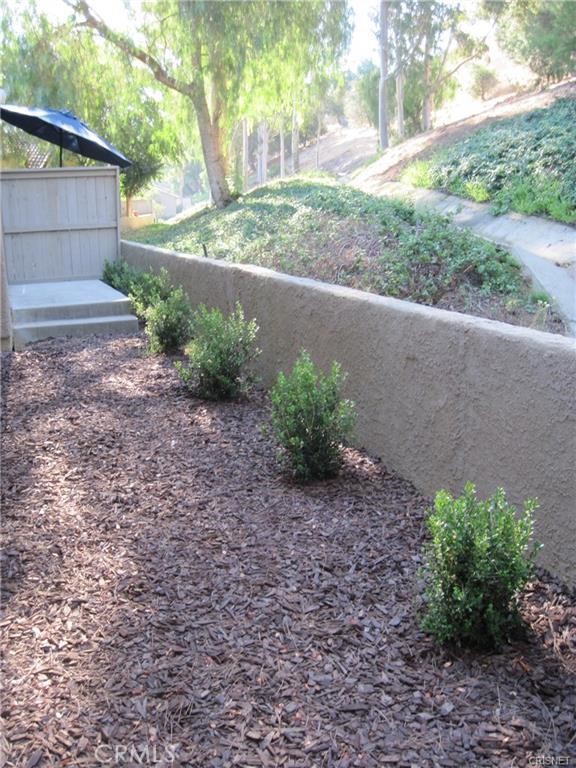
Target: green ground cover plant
x,y
341,235
220,354
525,164
478,559
311,420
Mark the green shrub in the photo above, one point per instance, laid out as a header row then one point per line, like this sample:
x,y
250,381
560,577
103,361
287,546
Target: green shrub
x,y
436,258
419,174
148,288
535,196
120,275
484,80
169,323
311,420
477,562
219,354
142,288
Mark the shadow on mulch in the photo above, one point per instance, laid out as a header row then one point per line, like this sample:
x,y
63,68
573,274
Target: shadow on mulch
x,y
178,597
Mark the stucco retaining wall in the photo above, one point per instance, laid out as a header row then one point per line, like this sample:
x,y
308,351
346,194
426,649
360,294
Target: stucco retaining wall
x,y
442,397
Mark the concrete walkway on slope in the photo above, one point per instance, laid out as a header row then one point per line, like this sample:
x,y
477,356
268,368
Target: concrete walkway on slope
x,y
547,249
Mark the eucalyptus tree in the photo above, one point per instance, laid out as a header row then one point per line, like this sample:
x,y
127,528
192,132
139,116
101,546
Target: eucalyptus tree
x,y
446,48
422,43
292,76
383,83
216,54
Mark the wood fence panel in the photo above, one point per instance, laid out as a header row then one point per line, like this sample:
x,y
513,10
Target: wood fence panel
x,y
59,223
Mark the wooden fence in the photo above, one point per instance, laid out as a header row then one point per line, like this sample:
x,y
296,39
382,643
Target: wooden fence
x,y
59,223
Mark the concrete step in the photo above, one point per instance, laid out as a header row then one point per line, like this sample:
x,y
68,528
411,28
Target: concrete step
x,y
26,333
70,311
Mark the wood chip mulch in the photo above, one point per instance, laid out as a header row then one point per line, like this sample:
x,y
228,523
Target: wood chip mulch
x,y
170,598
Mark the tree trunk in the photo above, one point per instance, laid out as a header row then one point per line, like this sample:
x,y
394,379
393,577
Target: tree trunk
x,y
426,102
382,107
259,154
295,144
399,75
282,159
400,104
318,141
214,159
264,151
427,112
128,204
244,155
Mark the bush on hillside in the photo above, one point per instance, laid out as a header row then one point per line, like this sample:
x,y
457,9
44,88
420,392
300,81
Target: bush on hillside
x,y
525,163
484,80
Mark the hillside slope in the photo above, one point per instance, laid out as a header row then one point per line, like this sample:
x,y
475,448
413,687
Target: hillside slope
x,y
340,235
343,150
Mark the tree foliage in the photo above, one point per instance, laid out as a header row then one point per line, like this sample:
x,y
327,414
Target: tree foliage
x,y
413,97
367,91
226,56
539,33
67,68
426,46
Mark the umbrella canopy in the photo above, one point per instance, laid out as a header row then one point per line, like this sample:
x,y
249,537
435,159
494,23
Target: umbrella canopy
x,y
64,129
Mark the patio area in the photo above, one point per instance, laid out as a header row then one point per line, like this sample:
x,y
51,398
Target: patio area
x,y
166,590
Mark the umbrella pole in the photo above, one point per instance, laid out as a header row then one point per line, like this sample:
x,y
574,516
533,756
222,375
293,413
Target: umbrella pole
x,y
60,147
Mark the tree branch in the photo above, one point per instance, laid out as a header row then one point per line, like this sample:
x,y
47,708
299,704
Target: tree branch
x,y
475,53
440,80
127,46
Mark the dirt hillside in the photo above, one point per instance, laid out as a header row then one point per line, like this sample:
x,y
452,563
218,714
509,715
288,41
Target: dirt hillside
x,y
344,150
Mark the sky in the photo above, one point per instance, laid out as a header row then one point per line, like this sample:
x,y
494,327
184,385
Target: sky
x,y
364,44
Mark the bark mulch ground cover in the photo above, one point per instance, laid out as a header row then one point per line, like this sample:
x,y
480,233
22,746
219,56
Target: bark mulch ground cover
x,y
169,598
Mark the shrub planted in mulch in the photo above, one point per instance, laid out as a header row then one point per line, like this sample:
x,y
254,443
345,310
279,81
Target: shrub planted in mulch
x,y
169,323
311,419
478,560
220,354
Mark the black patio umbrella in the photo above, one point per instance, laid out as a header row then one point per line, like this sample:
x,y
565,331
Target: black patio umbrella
x,y
63,128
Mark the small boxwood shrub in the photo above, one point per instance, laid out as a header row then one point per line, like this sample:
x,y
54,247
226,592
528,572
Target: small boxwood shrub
x,y
119,275
220,354
169,323
476,563
148,288
311,420
142,288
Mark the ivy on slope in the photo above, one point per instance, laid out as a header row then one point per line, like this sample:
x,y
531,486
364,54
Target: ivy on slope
x,y
525,163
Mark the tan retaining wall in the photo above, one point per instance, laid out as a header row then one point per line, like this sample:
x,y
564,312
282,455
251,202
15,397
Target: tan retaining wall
x,y
442,397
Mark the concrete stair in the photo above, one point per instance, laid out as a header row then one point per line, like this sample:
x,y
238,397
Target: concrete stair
x,y
74,308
